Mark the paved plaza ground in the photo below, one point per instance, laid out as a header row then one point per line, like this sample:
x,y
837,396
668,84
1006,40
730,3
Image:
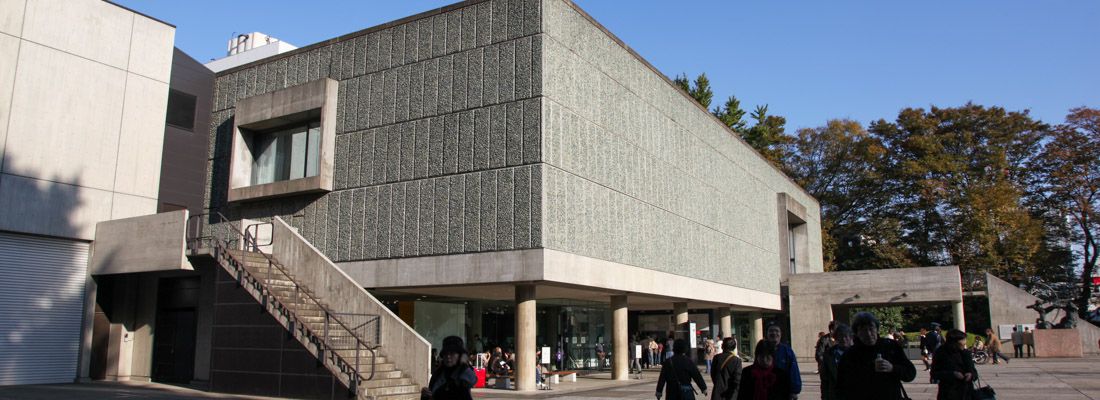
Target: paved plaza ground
x,y
1046,379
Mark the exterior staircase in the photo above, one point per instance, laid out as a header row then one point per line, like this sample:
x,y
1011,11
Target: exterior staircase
x,y
349,344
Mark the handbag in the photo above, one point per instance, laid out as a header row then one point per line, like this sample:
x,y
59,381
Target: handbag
x,y
904,395
982,392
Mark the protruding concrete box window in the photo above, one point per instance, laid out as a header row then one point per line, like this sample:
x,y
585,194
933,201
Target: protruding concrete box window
x,y
793,236
284,142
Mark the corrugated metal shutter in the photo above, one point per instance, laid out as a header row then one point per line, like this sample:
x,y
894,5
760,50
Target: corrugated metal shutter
x,y
41,306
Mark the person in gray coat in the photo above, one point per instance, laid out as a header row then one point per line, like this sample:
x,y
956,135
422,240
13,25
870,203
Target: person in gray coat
x,y
725,372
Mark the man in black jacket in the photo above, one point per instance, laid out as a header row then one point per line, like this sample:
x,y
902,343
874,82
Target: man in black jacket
x,y
875,367
726,371
677,372
454,378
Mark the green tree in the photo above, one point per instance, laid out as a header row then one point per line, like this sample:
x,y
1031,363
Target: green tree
x,y
768,135
958,177
890,319
731,114
699,90
844,167
1067,184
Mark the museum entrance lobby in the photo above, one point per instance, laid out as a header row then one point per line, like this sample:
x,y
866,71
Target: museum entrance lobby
x,y
574,327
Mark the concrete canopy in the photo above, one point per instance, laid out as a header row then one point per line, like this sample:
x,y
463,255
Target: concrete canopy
x,y
812,296
492,276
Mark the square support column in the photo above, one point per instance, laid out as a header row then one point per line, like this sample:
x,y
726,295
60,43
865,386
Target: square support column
x,y
525,337
620,341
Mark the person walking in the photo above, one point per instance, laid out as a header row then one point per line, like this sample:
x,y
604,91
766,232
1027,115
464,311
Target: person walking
x,y
764,379
825,340
953,367
1029,341
677,373
645,351
931,343
635,353
874,368
668,347
925,355
601,355
654,352
842,335
1017,343
902,340
785,359
726,374
994,347
454,378
709,352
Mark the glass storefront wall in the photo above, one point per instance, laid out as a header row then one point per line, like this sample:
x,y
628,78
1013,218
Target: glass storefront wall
x,y
579,330
574,330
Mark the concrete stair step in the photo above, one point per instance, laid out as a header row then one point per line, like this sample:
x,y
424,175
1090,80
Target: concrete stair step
x,y
414,396
392,374
378,383
388,382
363,355
304,312
391,390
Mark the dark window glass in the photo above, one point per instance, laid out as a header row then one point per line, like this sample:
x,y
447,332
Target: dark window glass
x,y
181,110
287,153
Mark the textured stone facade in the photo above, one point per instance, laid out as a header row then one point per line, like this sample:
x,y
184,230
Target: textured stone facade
x,y
514,124
438,134
639,174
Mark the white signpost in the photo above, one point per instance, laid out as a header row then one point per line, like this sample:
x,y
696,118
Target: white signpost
x,y
691,335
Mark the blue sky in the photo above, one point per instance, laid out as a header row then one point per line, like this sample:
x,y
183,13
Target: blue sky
x,y
811,61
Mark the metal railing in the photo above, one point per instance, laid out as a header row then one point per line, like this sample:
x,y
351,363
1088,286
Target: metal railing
x,y
222,239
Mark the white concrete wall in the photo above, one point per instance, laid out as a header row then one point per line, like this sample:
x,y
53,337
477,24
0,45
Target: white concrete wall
x,y
83,90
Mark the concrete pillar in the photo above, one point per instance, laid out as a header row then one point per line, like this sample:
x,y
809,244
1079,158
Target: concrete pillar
x,y
725,322
960,316
620,340
680,309
757,320
525,337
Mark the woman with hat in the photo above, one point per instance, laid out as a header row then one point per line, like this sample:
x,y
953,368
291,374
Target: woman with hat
x,y
454,377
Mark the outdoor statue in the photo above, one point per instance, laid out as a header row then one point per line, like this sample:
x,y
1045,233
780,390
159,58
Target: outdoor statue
x,y
1041,323
1069,321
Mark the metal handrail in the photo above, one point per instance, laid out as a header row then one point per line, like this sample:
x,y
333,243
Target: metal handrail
x,y
197,237
256,237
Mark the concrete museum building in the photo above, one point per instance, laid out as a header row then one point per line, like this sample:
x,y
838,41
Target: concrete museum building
x,y
501,169
506,169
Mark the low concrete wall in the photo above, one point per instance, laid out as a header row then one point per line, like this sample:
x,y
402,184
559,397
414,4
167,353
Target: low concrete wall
x,y
1008,306
400,343
813,295
1057,343
1090,337
1008,303
140,244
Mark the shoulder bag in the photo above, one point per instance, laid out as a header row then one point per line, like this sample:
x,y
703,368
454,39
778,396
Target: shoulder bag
x,y
982,392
